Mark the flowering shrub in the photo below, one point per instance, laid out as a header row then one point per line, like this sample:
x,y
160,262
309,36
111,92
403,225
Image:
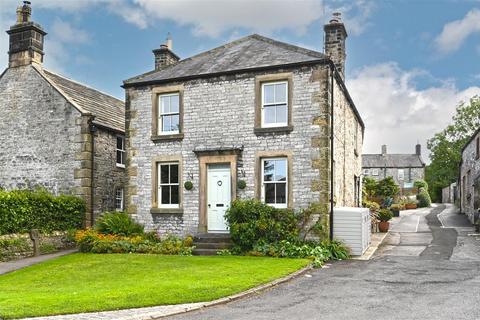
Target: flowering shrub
x,y
92,241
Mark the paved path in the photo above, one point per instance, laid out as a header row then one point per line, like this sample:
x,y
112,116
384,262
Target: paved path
x,y
10,266
425,270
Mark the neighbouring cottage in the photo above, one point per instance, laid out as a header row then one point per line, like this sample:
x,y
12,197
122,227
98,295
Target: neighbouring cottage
x,y
403,168
58,133
450,194
254,112
469,180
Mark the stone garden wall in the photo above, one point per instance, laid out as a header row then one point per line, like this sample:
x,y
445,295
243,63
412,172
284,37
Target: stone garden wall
x,y
18,246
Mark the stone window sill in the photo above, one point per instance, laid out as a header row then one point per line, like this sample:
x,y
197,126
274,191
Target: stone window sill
x,y
277,130
166,210
167,137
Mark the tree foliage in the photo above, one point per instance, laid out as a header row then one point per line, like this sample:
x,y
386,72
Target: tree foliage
x,y
446,147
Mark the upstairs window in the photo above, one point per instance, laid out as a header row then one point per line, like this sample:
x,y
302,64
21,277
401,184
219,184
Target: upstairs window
x,y
401,174
374,172
169,113
366,172
275,182
120,151
168,185
275,104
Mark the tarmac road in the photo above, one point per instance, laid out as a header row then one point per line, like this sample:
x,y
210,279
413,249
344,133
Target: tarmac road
x,y
427,268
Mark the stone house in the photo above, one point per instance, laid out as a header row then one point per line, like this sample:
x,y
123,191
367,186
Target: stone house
x,y
403,168
58,133
254,110
469,180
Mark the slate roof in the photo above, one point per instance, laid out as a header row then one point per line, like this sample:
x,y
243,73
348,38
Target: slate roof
x,y
250,52
392,161
108,111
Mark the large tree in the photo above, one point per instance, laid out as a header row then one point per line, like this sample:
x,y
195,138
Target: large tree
x,y
446,147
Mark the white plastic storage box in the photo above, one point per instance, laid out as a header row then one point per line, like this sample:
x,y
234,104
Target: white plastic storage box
x,y
352,226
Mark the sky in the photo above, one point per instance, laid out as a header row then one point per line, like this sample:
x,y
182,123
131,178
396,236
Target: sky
x,y
409,63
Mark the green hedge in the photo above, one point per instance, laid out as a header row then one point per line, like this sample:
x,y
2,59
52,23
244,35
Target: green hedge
x,y
23,210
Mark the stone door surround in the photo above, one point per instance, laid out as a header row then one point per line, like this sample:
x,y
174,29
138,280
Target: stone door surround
x,y
214,157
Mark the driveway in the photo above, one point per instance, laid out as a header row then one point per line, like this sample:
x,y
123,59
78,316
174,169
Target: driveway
x,y
427,268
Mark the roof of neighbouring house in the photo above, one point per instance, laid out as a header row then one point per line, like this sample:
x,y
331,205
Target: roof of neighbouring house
x,y
108,111
392,161
250,52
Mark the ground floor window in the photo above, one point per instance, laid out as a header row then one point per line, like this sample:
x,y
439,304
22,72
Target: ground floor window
x,y
275,182
119,199
168,185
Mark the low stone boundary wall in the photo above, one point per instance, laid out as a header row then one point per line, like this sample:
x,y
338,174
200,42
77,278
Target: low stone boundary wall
x,y
18,246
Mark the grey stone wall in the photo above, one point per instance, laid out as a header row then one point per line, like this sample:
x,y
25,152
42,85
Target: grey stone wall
x,y
39,131
470,181
107,175
348,150
218,113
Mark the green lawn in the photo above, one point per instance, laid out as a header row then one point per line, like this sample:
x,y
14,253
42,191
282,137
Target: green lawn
x,y
96,282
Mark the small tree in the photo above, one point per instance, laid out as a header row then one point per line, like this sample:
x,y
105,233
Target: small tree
x,y
370,186
387,188
420,184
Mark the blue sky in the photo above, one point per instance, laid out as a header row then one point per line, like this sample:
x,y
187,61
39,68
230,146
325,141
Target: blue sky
x,y
409,63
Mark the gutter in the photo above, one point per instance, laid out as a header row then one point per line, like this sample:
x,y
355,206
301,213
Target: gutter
x,y
93,130
332,152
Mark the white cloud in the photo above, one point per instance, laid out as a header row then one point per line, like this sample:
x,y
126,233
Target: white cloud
x,y
65,32
456,32
214,17
399,114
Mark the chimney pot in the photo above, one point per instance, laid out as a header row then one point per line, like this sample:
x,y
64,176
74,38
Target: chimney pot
x,y
164,56
384,150
418,149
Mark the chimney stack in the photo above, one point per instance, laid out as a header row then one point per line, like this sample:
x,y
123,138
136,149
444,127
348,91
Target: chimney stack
x,y
26,39
335,36
164,56
418,149
384,150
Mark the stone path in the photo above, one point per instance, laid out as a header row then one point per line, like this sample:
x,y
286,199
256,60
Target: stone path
x,y
10,266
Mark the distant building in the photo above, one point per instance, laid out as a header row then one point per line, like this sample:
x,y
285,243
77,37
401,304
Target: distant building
x,y
450,193
403,168
470,177
55,132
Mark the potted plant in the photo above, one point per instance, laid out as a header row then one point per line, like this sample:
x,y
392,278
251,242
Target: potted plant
x,y
396,207
384,215
411,204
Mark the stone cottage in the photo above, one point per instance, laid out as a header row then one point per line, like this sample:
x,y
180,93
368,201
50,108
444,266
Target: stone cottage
x,y
469,180
257,112
58,133
403,168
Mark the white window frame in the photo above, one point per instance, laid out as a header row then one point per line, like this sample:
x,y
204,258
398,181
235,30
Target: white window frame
x,y
375,172
275,205
401,174
160,184
160,114
366,172
122,152
276,124
121,198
